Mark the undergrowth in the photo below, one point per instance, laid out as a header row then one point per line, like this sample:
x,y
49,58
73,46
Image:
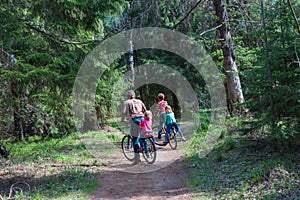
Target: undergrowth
x,y
61,168
242,167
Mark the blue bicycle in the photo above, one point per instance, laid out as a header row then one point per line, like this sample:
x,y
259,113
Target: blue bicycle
x,y
149,150
171,137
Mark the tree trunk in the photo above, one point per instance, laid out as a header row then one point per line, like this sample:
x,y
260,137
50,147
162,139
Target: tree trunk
x,y
233,85
18,128
131,58
268,64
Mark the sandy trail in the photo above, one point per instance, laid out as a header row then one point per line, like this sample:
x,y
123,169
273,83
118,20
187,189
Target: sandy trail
x,y
165,179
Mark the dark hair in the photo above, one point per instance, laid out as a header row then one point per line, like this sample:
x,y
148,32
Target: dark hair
x,y
160,96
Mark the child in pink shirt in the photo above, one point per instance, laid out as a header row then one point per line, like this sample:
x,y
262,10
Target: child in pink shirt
x,y
146,123
146,126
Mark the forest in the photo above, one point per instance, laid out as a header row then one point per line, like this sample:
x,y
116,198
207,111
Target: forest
x,y
66,65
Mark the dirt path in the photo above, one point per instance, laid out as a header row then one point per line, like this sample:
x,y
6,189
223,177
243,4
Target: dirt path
x,y
165,179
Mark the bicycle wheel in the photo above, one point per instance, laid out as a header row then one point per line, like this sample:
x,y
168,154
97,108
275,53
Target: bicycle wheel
x,y
127,147
150,152
172,138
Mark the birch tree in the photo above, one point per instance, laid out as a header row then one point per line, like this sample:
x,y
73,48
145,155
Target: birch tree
x,y
233,85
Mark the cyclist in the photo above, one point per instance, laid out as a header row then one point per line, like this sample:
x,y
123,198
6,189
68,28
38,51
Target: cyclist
x,y
169,122
160,108
146,126
134,109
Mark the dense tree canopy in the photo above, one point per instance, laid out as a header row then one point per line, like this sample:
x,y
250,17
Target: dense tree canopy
x,y
49,41
43,44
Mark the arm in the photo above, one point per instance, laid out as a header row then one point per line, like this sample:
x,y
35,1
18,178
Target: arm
x,y
144,108
156,110
142,124
124,113
166,117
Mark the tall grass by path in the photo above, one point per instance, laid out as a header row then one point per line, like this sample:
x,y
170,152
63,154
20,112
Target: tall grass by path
x,y
242,169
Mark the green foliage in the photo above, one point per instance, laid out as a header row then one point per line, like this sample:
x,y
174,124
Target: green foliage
x,y
43,36
46,182
73,186
69,184
54,149
243,172
110,94
283,51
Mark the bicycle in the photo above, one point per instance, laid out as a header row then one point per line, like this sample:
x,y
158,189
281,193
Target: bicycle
x,y
171,138
149,151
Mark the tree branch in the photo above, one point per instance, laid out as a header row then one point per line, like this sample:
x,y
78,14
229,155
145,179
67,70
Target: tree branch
x,y
190,11
294,15
13,187
211,29
58,40
55,38
298,60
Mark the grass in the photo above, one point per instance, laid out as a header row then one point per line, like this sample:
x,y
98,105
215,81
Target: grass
x,y
238,168
65,168
74,183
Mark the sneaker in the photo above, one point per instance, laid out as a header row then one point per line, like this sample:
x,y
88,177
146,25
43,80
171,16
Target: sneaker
x,y
141,149
183,138
137,159
165,143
